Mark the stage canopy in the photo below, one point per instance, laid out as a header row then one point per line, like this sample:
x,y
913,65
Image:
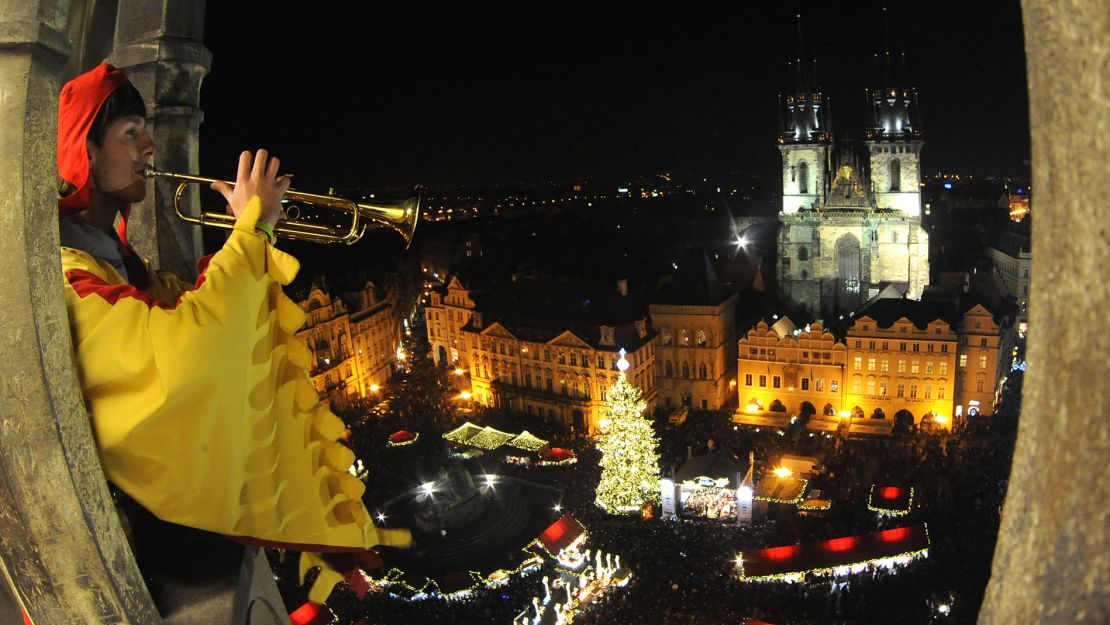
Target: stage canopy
x,y
719,467
835,556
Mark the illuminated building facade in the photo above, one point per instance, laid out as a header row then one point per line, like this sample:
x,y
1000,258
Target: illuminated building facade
x,y
898,359
696,322
351,351
445,314
782,368
549,347
850,227
1011,257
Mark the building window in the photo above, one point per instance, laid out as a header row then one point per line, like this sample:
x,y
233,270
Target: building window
x,y
763,381
684,337
902,346
913,391
944,349
982,342
546,355
855,387
886,346
747,379
563,386
940,392
803,177
668,370
686,370
884,366
979,385
929,367
805,355
574,360
982,361
963,360
901,390
776,381
870,364
550,389
944,367
901,365
527,379
930,346
928,391
915,367
859,344
834,386
702,371
805,384
895,175
871,387
917,347
871,345
702,338
820,385
882,389
803,253
562,358
858,363
667,337
600,362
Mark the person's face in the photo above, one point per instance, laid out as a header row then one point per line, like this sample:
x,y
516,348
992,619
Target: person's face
x,y
116,167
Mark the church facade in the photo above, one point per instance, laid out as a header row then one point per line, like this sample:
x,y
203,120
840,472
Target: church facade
x,y
850,224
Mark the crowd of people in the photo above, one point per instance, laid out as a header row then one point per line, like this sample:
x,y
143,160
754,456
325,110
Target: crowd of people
x,y
683,571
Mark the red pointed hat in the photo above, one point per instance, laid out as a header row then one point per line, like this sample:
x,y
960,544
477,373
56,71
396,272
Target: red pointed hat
x,y
78,105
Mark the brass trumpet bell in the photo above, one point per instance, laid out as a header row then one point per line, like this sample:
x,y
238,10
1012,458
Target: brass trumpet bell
x,y
401,217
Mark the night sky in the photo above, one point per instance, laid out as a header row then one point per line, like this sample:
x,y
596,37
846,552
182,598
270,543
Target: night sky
x,y
362,94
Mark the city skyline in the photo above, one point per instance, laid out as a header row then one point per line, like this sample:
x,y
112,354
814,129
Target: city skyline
x,y
493,96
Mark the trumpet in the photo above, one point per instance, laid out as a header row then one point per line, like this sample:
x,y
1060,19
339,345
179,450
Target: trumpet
x,y
401,217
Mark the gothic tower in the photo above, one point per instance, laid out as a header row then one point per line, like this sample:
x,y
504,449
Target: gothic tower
x,y
804,138
894,140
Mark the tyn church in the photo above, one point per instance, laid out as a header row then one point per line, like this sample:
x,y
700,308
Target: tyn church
x,y
851,226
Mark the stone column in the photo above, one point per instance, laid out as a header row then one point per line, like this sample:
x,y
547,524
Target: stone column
x,y
61,539
158,45
1051,564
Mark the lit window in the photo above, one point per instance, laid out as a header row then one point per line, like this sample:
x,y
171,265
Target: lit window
x,y
929,367
915,367
820,386
944,367
982,361
963,360
884,365
870,364
913,391
858,363
901,365
901,390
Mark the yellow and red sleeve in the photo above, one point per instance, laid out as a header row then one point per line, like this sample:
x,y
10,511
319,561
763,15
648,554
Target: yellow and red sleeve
x,y
202,406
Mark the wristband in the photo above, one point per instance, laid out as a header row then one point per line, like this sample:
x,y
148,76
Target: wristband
x,y
266,230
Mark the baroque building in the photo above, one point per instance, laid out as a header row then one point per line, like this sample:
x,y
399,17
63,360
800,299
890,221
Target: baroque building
x,y
850,226
896,359
696,321
353,345
546,347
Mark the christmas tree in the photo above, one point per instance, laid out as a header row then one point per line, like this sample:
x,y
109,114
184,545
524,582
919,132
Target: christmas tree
x,y
630,451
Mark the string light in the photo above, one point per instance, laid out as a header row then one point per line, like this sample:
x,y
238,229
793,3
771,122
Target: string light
x,y
889,511
630,456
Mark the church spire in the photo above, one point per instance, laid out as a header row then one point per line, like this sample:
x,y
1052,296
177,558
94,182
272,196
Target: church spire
x,y
804,119
892,103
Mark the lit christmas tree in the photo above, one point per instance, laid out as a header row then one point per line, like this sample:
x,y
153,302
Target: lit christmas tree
x,y
630,451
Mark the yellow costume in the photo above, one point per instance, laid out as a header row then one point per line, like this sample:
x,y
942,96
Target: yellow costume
x,y
202,407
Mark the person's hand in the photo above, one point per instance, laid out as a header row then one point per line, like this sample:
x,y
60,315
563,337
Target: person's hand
x,y
257,176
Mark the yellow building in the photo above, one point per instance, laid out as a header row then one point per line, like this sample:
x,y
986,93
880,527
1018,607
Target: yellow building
x,y
980,364
445,313
786,369
900,360
351,352
696,321
549,347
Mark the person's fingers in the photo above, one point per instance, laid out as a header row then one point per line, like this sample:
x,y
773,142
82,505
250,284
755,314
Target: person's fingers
x,y
283,184
272,167
222,188
244,172
260,159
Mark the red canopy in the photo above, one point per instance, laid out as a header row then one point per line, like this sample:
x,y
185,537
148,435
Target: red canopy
x,y
560,534
890,498
401,436
556,454
833,553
